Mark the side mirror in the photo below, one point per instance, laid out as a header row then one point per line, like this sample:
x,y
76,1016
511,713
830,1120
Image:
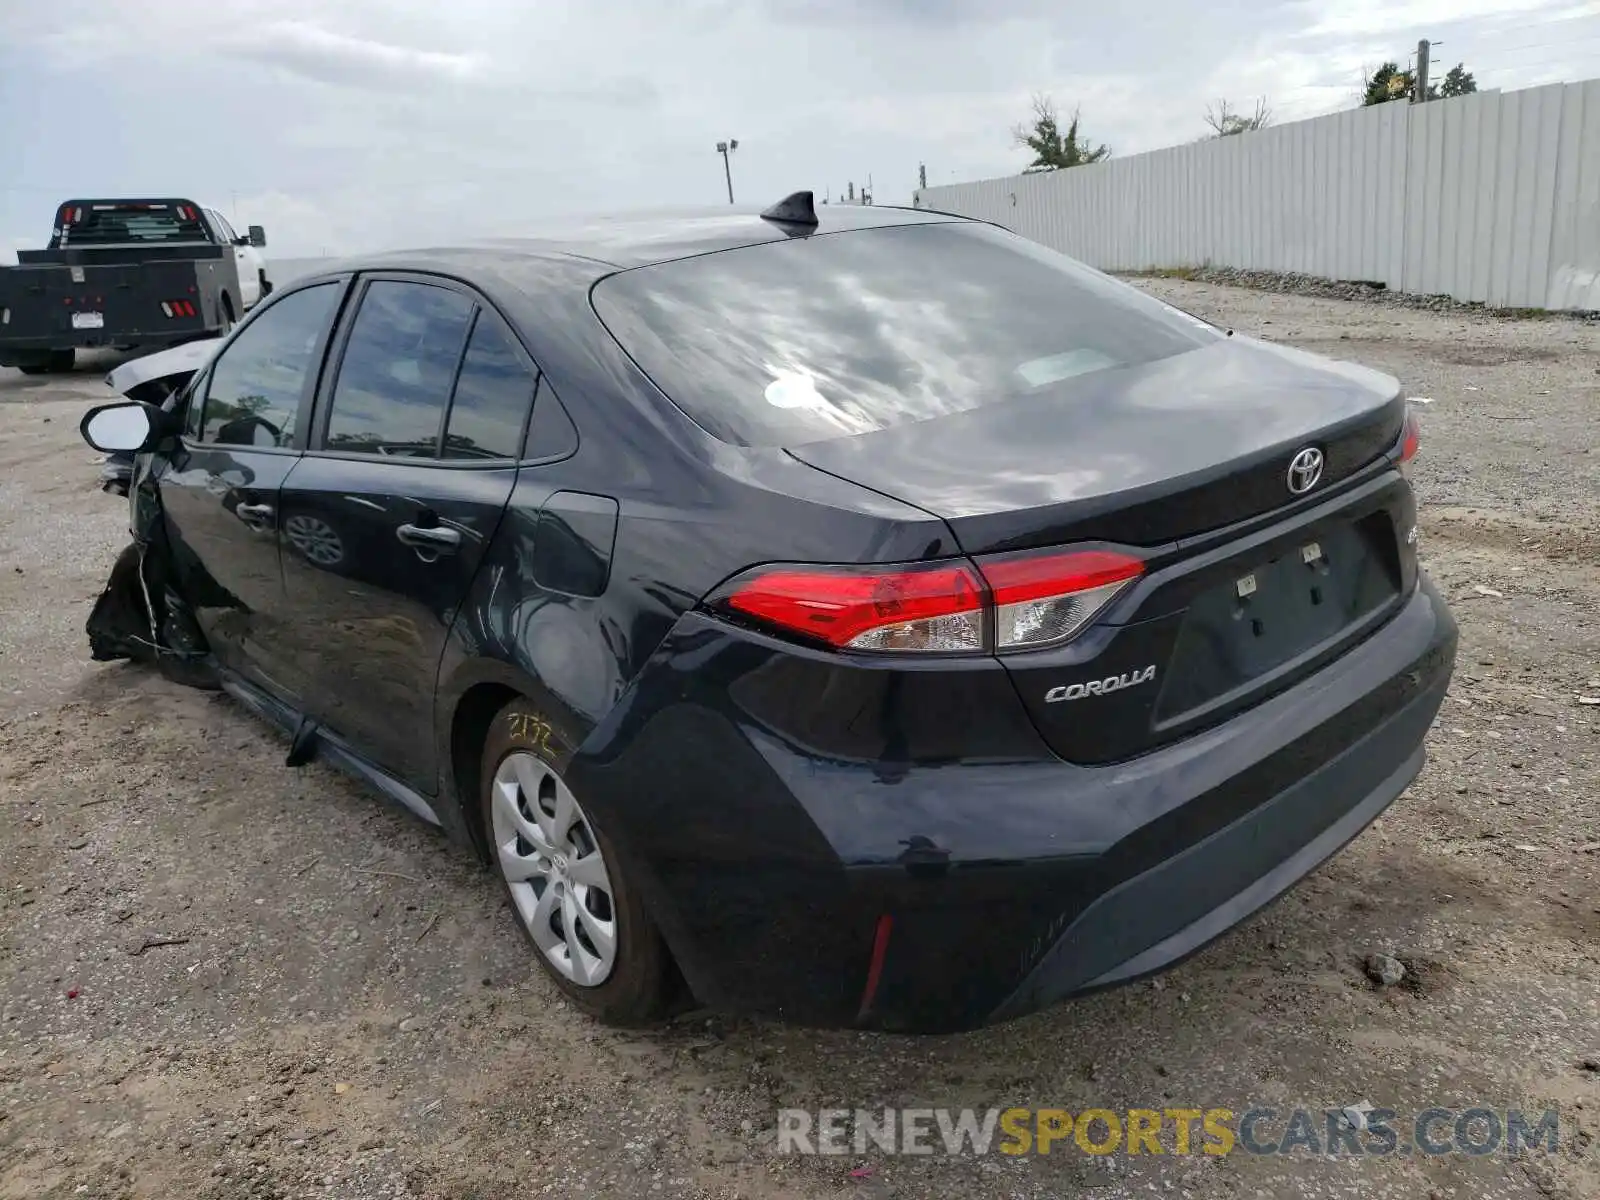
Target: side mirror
x,y
125,428
258,236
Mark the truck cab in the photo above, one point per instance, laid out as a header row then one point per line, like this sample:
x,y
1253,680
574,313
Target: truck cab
x,y
247,256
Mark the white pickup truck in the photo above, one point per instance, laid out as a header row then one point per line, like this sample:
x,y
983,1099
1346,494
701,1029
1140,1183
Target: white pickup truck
x,y
127,273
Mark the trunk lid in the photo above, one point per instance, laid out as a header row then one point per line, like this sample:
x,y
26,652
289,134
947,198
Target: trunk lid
x,y
1249,588
1145,456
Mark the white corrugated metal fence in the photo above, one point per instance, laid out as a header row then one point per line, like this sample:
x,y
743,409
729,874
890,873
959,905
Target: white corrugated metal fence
x,y
1493,197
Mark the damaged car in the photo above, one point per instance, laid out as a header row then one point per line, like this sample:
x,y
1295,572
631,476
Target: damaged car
x,y
154,379
858,615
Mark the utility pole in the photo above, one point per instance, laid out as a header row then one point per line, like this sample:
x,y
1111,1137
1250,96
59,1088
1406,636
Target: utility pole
x,y
724,149
1419,91
922,175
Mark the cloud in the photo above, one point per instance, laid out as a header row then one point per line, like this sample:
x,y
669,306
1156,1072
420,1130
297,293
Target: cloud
x,y
372,123
913,13
1367,17
326,57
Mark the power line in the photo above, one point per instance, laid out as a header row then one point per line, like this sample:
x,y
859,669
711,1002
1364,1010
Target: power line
x,y
1588,16
1566,61
1499,49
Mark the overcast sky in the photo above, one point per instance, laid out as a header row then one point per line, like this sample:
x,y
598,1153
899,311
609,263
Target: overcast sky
x,y
343,125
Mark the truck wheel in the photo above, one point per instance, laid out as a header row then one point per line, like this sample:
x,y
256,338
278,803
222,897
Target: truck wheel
x,y
266,287
61,361
228,315
32,368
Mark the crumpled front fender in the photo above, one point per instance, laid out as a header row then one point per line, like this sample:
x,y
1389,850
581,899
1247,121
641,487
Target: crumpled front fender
x,y
141,614
121,625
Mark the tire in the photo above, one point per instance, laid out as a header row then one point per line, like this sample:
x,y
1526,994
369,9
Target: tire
x,y
33,368
228,317
266,287
61,361
635,986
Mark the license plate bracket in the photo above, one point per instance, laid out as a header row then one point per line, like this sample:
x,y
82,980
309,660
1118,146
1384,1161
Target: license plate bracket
x,y
88,320
1268,612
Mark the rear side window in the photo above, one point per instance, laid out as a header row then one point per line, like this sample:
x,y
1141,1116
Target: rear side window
x,y
398,367
822,337
253,394
492,396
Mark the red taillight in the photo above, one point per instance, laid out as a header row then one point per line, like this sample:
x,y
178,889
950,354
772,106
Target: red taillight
x,y
1042,599
1020,577
937,607
1010,602
1410,438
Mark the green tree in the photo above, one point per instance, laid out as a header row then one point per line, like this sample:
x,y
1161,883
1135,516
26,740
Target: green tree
x,y
1052,148
1458,82
1387,83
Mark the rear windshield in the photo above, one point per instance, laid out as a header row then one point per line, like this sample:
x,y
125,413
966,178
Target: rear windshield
x,y
98,223
822,337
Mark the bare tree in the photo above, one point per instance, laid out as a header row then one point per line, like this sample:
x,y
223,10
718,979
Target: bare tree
x,y
1225,122
1052,148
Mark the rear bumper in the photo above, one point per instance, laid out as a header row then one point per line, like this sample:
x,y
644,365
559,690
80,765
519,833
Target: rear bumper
x,y
1155,920
1007,885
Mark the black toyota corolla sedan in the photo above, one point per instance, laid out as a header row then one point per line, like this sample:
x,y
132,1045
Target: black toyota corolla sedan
x,y
858,615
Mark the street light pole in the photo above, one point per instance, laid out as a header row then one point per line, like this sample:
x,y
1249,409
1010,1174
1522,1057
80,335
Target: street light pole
x,y
724,149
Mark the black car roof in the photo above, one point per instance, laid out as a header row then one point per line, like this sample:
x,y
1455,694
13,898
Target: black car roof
x,y
633,240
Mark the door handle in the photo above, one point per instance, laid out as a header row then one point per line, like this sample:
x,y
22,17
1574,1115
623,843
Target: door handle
x,y
254,514
441,539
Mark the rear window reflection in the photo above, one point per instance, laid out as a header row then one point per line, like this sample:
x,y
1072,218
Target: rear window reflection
x,y
838,334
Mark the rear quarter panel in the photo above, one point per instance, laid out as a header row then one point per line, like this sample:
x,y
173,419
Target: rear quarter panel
x,y
691,512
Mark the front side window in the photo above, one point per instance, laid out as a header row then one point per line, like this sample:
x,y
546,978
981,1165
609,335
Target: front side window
x,y
398,368
253,395
492,396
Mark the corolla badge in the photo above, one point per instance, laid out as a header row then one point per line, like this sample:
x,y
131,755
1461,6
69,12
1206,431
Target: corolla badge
x,y
1100,687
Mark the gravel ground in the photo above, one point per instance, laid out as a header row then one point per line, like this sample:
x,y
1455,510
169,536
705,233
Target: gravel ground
x,y
1291,283
222,978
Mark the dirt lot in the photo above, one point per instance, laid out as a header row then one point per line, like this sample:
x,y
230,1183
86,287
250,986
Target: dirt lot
x,y
345,1009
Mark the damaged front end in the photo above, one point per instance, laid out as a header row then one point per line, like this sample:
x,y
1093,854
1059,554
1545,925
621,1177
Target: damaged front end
x,y
154,379
140,614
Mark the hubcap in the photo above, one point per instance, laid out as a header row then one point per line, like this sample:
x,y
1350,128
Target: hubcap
x,y
552,863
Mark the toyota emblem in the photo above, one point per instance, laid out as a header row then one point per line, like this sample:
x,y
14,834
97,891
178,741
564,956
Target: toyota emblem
x,y
1305,469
